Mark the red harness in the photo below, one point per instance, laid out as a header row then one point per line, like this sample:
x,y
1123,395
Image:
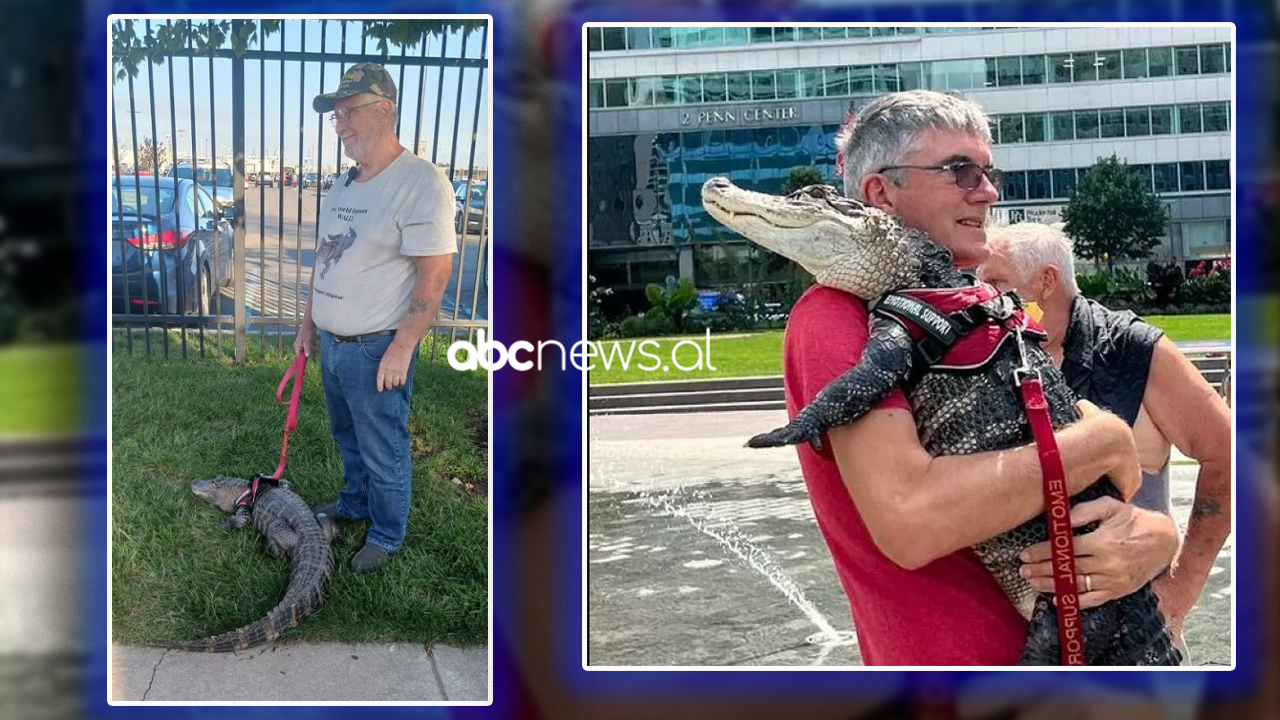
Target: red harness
x,y
295,372
960,329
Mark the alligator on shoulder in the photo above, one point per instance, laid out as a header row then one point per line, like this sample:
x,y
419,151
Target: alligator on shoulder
x,y
861,250
291,530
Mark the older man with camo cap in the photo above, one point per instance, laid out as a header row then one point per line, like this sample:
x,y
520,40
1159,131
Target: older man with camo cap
x,y
383,258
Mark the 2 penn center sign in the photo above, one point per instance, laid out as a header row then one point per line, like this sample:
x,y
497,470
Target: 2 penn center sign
x,y
737,116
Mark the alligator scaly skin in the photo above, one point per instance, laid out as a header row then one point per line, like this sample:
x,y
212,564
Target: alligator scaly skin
x,y
290,529
955,413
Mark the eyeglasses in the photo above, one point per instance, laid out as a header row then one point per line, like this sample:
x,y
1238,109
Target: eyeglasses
x,y
968,175
345,114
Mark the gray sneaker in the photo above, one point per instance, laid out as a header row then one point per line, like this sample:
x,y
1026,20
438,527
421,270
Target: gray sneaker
x,y
369,558
329,509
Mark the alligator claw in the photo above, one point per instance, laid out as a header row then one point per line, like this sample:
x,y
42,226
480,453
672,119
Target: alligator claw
x,y
788,435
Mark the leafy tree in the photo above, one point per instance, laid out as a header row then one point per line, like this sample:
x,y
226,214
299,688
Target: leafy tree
x,y
151,158
672,300
800,177
1113,215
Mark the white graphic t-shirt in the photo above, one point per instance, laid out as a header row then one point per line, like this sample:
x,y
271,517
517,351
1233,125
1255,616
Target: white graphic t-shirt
x,y
369,234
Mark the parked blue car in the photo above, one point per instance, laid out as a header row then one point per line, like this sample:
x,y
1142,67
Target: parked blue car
x,y
169,251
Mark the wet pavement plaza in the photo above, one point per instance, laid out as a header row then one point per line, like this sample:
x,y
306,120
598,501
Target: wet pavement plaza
x,y
701,552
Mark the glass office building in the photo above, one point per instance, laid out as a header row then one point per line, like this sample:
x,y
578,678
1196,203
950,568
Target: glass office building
x,y
670,107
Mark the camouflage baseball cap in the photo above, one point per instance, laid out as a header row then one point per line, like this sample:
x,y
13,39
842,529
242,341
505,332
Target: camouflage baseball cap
x,y
361,78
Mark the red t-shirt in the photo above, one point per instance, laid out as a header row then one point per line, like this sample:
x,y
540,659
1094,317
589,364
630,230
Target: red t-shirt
x,y
949,612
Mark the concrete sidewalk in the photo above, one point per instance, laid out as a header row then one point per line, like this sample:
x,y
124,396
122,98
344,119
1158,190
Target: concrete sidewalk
x,y
302,671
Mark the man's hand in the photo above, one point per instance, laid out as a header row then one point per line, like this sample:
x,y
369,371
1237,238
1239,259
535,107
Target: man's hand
x,y
303,342
1128,549
393,371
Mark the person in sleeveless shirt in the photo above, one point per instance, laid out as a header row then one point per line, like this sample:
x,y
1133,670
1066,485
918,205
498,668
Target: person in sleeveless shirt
x,y
1128,367
383,258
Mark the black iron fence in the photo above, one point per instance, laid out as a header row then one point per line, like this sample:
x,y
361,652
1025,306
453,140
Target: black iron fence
x,y
203,258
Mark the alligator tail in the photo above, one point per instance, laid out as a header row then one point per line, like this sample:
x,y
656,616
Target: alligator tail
x,y
312,567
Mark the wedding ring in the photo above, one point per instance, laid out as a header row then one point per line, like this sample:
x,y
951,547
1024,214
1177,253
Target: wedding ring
x,y
1088,582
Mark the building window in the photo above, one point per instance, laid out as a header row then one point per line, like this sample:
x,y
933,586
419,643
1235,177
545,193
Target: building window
x,y
1009,71
690,89
1216,117
711,37
859,32
909,76
993,126
687,37
1205,239
836,81
1188,59
886,79
861,80
1135,63
1038,185
992,74
763,86
1011,128
881,32
833,33
739,86
595,94
1192,175
1034,127
713,88
784,34
1062,125
1015,186
1143,172
1166,177
786,84
811,83
1217,175
736,35
1137,122
1086,124
1108,64
1064,181
1213,59
661,37
1189,119
1084,67
1162,120
761,35
638,38
593,39
615,93
1159,61
1060,67
809,33
614,38
1033,72
1112,123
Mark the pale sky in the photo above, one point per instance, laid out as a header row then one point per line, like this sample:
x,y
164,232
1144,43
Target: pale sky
x,y
317,134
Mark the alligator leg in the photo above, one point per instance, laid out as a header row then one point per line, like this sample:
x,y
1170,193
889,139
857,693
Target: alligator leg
x,y
328,527
885,364
282,540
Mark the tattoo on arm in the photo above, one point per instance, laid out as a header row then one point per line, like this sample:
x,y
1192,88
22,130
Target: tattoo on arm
x,y
417,305
1206,508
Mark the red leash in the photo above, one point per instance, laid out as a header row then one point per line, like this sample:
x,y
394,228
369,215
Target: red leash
x,y
295,372
1062,544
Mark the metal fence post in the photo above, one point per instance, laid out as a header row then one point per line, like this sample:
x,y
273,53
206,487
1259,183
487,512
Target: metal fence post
x,y
237,191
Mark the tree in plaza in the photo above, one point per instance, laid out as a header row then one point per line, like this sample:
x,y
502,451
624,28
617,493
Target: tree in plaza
x,y
800,177
152,159
1113,214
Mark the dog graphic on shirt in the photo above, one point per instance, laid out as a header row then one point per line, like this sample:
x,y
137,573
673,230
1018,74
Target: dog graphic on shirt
x,y
330,251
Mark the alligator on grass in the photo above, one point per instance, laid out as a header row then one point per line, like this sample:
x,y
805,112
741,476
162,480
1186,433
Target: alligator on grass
x,y
291,530
961,409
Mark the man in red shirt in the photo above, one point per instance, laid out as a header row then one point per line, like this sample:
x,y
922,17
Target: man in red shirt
x,y
898,522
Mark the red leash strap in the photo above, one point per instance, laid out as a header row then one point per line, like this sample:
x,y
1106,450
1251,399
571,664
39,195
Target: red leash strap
x,y
295,372
1070,637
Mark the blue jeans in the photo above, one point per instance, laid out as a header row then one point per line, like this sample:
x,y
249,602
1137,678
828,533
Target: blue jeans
x,y
372,432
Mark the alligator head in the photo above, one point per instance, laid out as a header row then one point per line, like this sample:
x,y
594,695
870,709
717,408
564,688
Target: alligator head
x,y
845,245
221,491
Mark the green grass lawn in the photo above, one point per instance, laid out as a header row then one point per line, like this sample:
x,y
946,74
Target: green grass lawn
x,y
761,353
176,576
41,389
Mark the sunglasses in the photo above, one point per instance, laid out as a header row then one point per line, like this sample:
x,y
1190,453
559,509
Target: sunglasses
x,y
968,175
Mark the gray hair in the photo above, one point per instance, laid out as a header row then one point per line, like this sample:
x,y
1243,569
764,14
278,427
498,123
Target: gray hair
x,y
887,130
1031,246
